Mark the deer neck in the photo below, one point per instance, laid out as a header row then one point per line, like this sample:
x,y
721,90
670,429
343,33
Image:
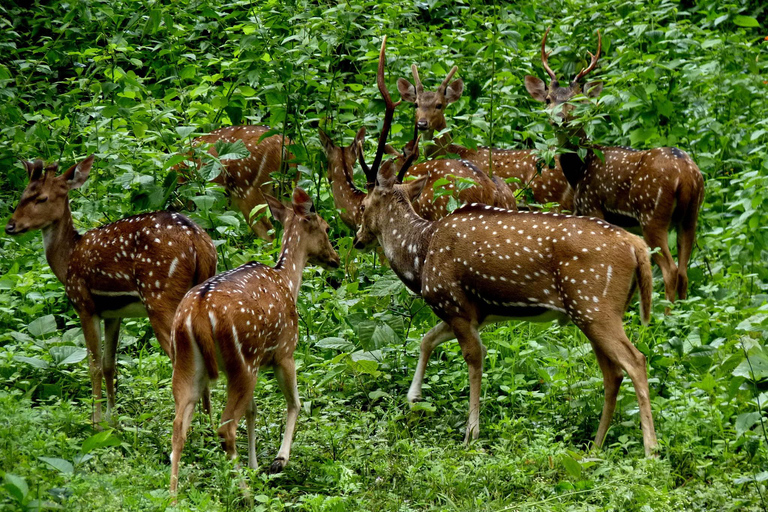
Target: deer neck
x,y
346,196
572,164
293,258
442,145
59,240
405,238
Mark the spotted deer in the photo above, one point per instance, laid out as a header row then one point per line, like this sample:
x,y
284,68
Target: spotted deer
x,y
136,267
431,204
483,264
240,321
248,179
548,186
652,190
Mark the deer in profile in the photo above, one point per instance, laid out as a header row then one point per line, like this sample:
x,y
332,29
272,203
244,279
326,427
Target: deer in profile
x,y
140,266
243,320
246,180
652,190
549,186
482,264
440,173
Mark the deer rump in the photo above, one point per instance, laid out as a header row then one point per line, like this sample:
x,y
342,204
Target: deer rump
x,y
532,266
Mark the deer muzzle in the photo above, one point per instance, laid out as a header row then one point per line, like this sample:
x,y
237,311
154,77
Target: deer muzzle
x,y
422,124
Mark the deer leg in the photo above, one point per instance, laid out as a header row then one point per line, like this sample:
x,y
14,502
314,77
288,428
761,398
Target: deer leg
x,y
285,372
472,350
440,333
239,394
612,377
609,337
92,332
657,237
686,236
250,424
111,337
189,382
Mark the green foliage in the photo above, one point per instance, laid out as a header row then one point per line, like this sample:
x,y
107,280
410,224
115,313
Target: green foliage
x,y
135,82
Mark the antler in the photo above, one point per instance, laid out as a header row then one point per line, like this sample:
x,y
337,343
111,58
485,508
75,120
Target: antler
x,y
448,78
545,56
411,152
416,79
388,115
593,63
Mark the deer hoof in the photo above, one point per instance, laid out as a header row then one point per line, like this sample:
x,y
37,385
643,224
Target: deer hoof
x,y
277,466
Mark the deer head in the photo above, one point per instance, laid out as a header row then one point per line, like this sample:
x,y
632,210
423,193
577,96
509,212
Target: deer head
x,y
430,105
384,178
342,158
556,95
311,229
44,201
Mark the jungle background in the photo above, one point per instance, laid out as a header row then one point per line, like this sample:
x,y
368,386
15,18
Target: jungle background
x,y
134,82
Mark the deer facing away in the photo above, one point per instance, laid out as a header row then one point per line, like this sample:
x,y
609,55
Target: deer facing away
x,y
248,179
240,321
652,190
550,186
483,264
138,266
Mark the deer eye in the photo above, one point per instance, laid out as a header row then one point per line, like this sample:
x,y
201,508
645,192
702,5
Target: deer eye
x,y
439,106
362,208
415,105
41,199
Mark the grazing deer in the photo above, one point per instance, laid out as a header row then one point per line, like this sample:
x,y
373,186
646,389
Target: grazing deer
x,y
136,267
348,198
248,179
550,186
242,320
483,264
653,189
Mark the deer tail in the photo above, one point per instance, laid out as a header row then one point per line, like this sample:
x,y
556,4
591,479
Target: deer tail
x,y
644,277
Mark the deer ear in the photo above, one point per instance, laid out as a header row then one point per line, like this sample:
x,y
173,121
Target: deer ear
x,y
34,169
454,90
357,144
593,89
536,88
385,178
388,149
407,90
278,209
76,175
326,141
413,188
302,203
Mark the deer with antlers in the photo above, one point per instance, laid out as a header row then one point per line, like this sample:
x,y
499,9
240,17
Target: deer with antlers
x,y
482,264
138,266
431,204
652,190
548,186
247,180
240,321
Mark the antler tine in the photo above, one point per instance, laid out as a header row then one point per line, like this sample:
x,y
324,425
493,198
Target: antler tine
x,y
593,63
409,159
364,165
416,79
388,115
448,78
545,56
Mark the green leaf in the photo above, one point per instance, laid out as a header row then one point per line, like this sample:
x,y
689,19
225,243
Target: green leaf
x,y
37,363
571,466
61,465
99,440
67,354
759,365
185,131
423,406
42,325
387,285
231,150
16,487
746,421
745,21
335,344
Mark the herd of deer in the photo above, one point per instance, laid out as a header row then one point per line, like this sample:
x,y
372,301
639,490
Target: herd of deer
x,y
485,262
